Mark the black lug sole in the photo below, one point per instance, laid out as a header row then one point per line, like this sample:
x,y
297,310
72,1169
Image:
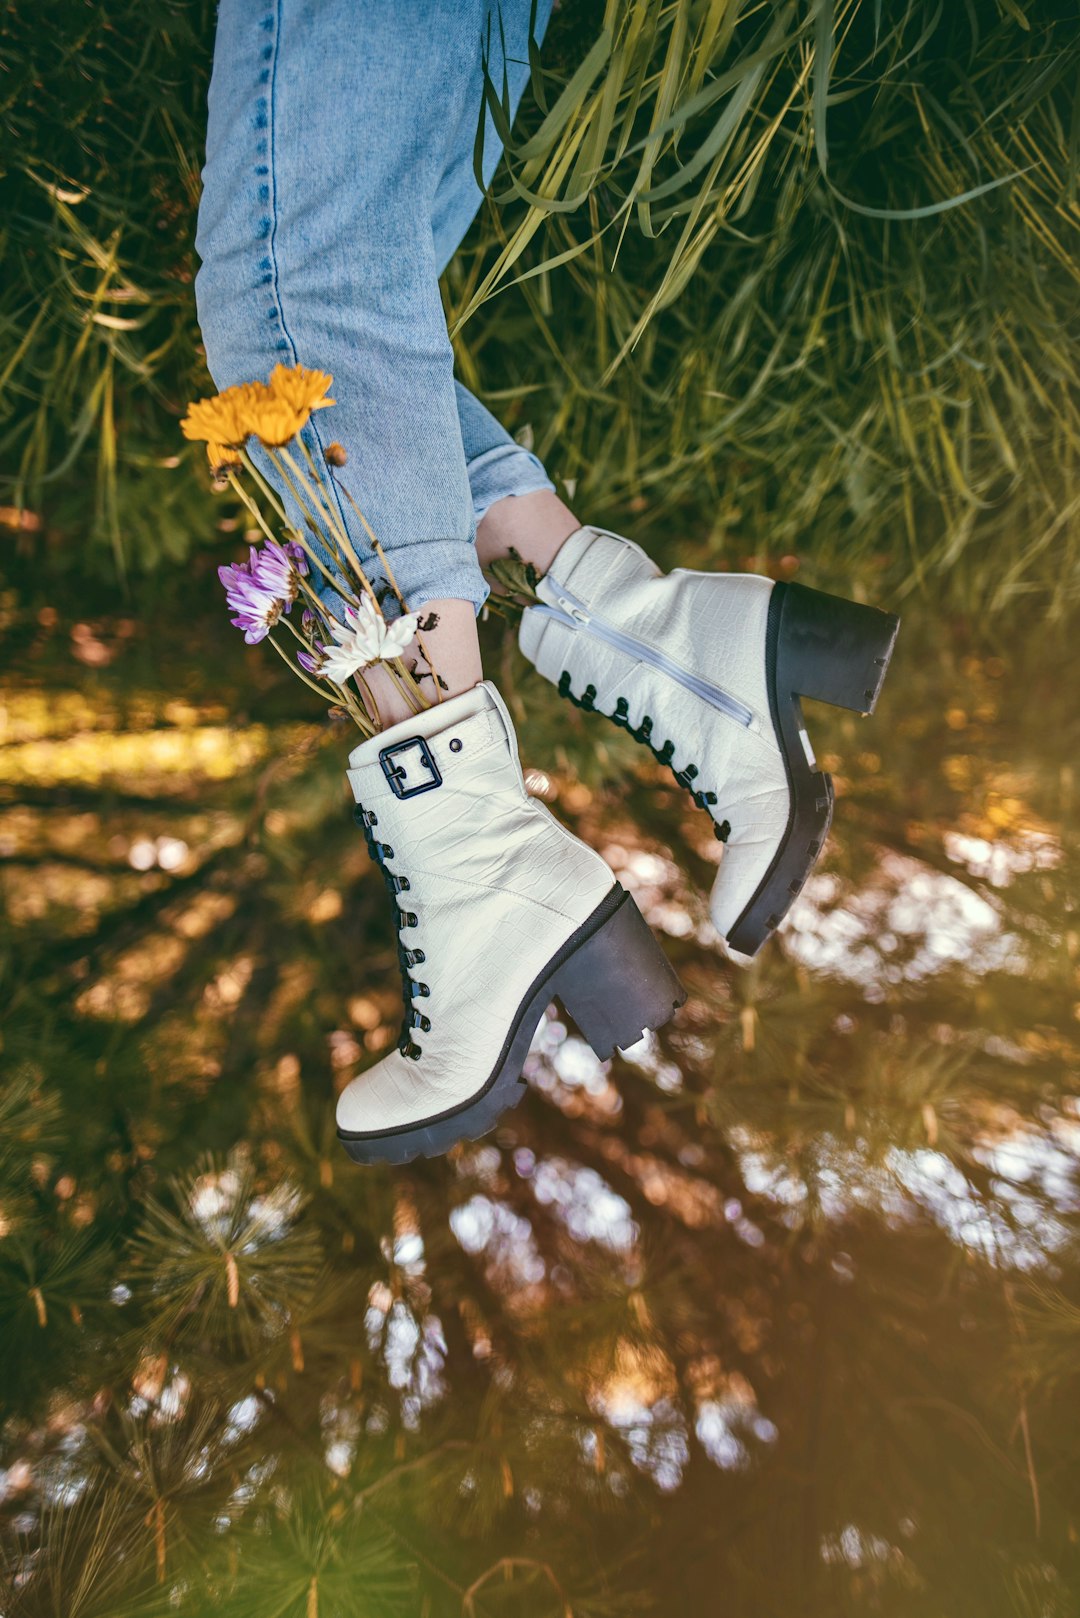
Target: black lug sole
x,y
612,978
829,650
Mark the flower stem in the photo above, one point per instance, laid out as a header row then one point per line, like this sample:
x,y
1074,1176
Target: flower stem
x,y
336,696
333,536
392,581
412,683
323,490
302,583
287,660
314,601
368,700
409,688
291,627
252,507
301,538
337,527
268,491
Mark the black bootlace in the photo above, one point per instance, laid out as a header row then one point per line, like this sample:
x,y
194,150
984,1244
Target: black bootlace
x,y
643,733
411,987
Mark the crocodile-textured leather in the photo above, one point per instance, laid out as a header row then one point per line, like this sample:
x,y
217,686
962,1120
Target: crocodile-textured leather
x,y
713,626
496,885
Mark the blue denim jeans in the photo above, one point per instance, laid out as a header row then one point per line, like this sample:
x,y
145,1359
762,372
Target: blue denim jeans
x,y
339,182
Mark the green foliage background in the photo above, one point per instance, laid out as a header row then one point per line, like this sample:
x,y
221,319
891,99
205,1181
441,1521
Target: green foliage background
x,y
722,279
724,282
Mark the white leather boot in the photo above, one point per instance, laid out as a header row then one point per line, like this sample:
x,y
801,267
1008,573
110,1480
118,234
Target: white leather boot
x,y
707,670
500,909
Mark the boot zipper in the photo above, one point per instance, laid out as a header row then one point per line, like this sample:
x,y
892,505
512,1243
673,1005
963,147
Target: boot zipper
x,y
574,614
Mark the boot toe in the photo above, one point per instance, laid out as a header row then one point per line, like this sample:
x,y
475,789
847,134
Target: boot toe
x,y
389,1095
748,853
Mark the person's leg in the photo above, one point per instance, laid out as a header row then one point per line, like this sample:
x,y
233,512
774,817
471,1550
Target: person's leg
x,y
326,144
532,525
329,124
514,502
697,668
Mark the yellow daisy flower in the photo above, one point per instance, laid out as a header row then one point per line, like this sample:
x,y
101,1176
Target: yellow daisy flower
x,y
300,389
225,419
221,457
274,412
274,421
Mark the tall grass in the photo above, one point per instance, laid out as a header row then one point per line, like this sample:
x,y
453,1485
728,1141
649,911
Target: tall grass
x,y
101,129
784,278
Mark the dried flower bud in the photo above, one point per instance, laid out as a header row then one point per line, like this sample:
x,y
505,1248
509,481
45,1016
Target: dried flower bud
x,y
335,454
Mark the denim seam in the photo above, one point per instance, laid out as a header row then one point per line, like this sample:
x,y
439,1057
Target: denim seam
x,y
278,300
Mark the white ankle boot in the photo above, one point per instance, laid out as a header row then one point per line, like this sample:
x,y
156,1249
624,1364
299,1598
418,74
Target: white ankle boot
x,y
500,909
707,670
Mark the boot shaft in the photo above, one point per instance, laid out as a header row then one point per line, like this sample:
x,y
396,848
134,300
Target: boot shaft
x,y
484,880
498,908
610,619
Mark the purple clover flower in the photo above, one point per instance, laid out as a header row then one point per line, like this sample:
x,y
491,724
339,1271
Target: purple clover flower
x,y
311,661
262,588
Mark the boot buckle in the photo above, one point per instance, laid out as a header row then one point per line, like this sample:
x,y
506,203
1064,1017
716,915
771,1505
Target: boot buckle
x,y
398,774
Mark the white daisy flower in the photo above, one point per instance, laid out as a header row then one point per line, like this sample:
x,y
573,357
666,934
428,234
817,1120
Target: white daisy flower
x,y
363,639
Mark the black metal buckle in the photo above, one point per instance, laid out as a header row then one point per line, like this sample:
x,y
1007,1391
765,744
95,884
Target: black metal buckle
x,y
396,774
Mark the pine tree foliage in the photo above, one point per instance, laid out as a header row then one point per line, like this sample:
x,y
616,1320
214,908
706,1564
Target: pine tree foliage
x,y
806,1260
779,1313
229,1262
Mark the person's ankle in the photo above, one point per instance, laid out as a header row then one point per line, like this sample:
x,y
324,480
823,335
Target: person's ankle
x,y
443,660
533,527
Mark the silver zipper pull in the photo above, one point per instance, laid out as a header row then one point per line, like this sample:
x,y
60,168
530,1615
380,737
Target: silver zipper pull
x,y
572,610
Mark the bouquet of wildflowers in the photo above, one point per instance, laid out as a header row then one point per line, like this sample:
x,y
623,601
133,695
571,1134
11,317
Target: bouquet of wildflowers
x,y
333,654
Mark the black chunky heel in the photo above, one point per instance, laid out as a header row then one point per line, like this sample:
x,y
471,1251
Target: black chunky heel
x,y
618,983
830,650
613,979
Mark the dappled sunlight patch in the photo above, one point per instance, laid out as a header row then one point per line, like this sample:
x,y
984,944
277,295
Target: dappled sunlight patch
x,y
998,860
169,853
727,1422
68,870
30,713
327,905
1018,1220
907,923
566,1072
412,1346
226,989
871,1556
485,1226
125,993
637,1395
582,1201
648,1057
137,759
73,899
660,890
200,915
689,1198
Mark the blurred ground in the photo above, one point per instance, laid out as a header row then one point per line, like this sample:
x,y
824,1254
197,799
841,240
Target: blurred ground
x,y
778,1314
783,1305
